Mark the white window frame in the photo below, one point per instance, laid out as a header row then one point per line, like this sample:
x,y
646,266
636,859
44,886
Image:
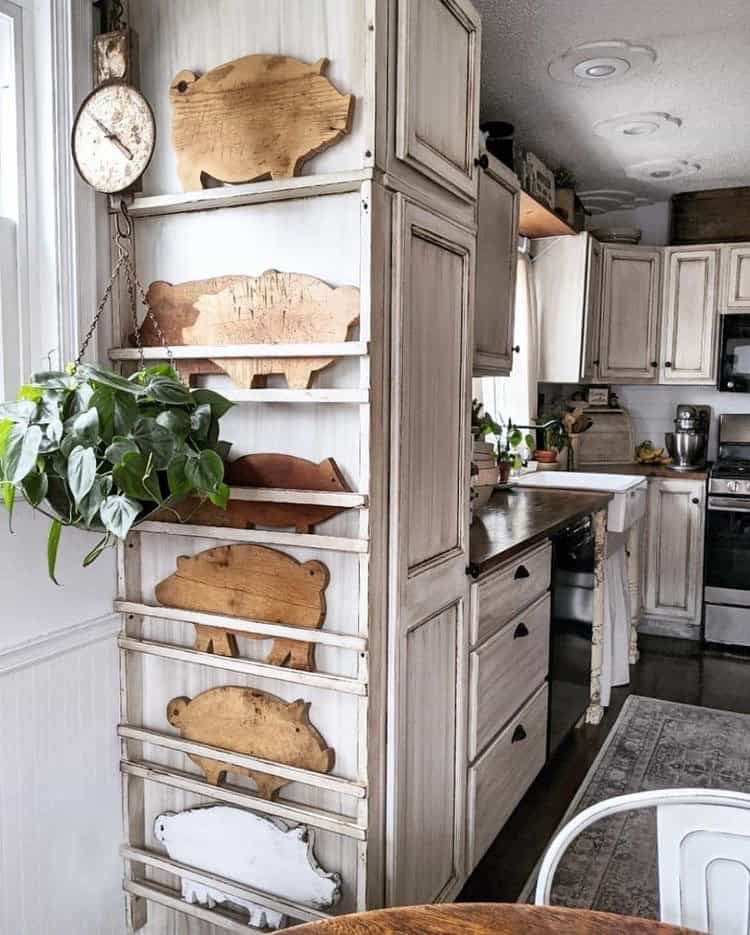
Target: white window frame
x,y
58,216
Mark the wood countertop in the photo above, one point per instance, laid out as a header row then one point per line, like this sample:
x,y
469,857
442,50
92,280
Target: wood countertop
x,y
515,519
645,470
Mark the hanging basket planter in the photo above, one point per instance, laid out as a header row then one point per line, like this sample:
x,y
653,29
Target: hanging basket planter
x,y
98,451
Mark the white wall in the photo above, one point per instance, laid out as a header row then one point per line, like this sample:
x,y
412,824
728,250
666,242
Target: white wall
x,y
653,220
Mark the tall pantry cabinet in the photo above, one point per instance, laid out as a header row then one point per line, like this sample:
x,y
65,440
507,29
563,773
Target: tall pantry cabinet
x,y
391,209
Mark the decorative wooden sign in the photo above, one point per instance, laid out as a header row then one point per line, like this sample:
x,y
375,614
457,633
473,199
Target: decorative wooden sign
x,y
258,117
272,471
273,308
244,720
266,854
256,583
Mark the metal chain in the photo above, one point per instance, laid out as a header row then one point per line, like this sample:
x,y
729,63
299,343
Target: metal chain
x,y
117,20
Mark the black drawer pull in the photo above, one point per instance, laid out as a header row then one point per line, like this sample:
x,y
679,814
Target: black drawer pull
x,y
473,569
519,734
521,572
521,630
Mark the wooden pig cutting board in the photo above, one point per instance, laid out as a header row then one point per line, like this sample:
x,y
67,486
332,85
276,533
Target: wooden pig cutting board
x,y
277,471
255,583
258,117
273,308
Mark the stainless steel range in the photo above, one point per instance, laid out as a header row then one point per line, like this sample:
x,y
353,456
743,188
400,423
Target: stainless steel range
x,y
727,578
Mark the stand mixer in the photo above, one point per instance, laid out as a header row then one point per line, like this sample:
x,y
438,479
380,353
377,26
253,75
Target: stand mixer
x,y
687,444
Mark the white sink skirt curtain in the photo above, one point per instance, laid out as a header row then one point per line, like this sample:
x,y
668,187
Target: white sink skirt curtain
x,y
616,636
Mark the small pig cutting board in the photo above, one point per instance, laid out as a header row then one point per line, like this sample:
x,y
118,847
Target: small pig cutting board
x,y
274,471
256,583
256,723
273,308
258,117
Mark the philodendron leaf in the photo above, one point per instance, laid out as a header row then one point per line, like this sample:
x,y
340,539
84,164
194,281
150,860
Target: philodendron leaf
x,y
117,412
119,448
53,541
118,514
179,485
153,439
220,497
21,450
205,472
136,477
35,487
9,498
200,421
161,370
169,392
175,421
86,426
32,393
6,427
79,401
22,410
107,378
89,505
81,472
218,403
100,546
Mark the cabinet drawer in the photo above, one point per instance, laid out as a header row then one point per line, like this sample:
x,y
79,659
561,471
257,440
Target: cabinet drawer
x,y
507,591
505,669
501,776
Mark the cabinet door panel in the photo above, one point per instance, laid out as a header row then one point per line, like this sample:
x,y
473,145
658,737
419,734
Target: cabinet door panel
x,y
674,569
736,278
690,316
497,259
438,90
592,312
432,344
630,314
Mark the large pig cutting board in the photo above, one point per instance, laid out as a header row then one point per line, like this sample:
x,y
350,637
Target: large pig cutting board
x,y
256,723
273,308
255,583
274,471
258,117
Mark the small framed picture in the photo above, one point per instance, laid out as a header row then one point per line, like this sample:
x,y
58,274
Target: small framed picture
x,y
598,396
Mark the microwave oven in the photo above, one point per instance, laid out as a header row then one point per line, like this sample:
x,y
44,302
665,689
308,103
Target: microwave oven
x,y
734,354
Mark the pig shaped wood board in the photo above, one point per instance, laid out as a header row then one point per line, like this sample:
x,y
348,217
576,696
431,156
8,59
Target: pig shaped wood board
x,y
255,583
273,308
255,118
256,723
265,854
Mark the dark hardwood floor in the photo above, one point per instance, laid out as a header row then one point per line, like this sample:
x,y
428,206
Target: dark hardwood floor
x,y
673,670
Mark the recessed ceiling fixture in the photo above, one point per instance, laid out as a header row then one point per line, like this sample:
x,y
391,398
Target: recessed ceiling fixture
x,y
599,200
662,170
637,125
600,62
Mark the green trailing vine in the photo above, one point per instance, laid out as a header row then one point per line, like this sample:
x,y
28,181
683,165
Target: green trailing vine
x,y
91,449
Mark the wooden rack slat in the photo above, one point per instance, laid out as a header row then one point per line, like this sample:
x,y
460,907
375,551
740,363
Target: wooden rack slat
x,y
202,351
337,683
169,898
341,396
234,795
261,627
233,196
288,495
261,536
292,773
225,885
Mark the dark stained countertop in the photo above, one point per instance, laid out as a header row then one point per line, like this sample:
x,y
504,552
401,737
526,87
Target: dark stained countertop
x,y
646,470
515,519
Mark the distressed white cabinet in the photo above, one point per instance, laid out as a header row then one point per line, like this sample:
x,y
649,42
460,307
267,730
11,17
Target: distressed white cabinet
x,y
735,278
497,259
592,313
673,569
431,383
689,325
437,91
631,285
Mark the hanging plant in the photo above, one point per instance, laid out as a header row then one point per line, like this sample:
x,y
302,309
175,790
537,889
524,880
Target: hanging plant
x,y
92,449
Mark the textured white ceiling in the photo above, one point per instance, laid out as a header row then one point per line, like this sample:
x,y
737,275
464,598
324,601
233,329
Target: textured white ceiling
x,y
701,75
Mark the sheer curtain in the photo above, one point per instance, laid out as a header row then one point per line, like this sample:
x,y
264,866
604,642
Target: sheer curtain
x,y
515,397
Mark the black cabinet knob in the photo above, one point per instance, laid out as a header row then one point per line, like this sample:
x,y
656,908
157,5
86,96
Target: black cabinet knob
x,y
521,572
668,364
521,631
696,500
482,161
654,363
595,363
519,734
472,569
516,349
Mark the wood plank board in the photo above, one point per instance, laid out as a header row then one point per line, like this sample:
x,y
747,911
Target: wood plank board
x,y
253,722
538,221
250,581
273,308
343,349
719,215
258,117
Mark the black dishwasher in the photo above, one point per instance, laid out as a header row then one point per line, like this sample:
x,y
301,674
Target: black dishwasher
x,y
570,629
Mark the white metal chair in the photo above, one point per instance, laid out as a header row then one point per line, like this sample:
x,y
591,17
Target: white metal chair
x,y
703,840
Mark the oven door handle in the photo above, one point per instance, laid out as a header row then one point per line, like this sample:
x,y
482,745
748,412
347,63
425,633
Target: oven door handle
x,y
729,504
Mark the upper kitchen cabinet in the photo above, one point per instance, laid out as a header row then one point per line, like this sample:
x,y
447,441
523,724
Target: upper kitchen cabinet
x,y
631,282
567,276
437,92
689,316
497,259
735,278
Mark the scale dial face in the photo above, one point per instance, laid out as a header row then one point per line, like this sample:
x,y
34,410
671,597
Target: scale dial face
x,y
113,137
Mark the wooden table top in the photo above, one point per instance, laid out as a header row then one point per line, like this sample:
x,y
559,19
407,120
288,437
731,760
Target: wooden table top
x,y
487,919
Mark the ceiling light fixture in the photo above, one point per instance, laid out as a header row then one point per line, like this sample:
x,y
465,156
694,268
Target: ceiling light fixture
x,y
640,124
600,62
662,170
599,200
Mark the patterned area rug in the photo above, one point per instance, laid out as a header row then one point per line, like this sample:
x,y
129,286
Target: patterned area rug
x,y
654,745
